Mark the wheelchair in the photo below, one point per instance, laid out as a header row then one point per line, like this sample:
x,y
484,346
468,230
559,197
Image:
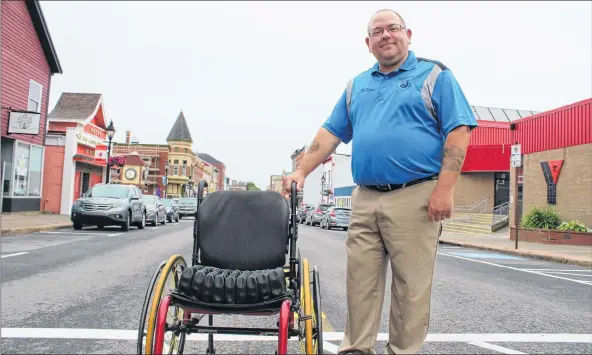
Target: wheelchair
x,y
244,262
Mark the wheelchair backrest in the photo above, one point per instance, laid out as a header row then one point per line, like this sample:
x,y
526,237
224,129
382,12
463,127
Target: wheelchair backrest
x,y
244,230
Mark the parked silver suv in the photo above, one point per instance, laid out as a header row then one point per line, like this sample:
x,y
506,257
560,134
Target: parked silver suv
x,y
187,207
110,204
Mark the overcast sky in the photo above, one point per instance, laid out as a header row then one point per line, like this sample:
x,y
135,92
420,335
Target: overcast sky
x,y
256,80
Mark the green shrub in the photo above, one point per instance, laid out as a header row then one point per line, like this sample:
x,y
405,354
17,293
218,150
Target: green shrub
x,y
575,226
541,218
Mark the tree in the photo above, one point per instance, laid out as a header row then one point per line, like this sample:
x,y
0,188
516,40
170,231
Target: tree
x,y
251,186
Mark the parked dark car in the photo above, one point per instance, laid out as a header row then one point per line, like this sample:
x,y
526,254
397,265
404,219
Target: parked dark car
x,y
336,217
313,216
172,210
109,204
155,210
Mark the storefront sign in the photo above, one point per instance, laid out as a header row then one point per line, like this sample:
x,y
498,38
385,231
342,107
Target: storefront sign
x,y
24,122
551,170
87,139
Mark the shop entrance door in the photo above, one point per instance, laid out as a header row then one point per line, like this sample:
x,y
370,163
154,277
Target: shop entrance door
x,y
85,182
502,188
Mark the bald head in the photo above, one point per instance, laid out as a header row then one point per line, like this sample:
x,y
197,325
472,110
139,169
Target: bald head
x,y
383,11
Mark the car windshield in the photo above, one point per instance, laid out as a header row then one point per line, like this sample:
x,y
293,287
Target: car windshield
x,y
108,191
188,201
167,203
151,200
324,207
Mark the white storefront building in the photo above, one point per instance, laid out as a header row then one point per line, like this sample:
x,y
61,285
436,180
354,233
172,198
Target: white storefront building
x,y
331,182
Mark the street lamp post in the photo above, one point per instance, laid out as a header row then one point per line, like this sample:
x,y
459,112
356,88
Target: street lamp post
x,y
166,176
110,133
323,179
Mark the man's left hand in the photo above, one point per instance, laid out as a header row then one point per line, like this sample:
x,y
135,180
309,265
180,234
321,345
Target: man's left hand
x,y
440,204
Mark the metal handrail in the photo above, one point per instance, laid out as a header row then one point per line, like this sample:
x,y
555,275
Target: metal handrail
x,y
469,213
501,212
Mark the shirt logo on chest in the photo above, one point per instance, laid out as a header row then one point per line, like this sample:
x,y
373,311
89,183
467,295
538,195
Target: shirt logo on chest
x,y
404,84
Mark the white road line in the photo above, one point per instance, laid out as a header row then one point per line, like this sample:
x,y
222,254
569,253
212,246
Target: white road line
x,y
15,254
330,348
499,349
567,273
114,235
517,269
131,334
563,270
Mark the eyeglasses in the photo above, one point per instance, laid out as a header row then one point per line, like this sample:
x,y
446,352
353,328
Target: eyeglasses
x,y
391,29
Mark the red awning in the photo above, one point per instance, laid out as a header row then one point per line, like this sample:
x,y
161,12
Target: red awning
x,y
89,160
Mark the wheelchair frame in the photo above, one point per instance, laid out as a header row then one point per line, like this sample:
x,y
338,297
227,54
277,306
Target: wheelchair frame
x,y
304,303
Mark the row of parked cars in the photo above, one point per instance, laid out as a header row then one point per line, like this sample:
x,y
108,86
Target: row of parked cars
x,y
324,215
126,206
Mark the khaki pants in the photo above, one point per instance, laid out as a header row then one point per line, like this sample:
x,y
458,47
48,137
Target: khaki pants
x,y
393,224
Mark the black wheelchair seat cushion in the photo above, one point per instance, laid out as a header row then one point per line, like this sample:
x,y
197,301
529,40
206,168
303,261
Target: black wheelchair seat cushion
x,y
223,286
243,230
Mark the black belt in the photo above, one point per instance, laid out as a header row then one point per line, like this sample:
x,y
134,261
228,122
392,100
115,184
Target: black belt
x,y
392,187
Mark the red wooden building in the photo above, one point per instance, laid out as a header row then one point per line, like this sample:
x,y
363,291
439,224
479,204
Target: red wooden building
x,y
28,61
76,126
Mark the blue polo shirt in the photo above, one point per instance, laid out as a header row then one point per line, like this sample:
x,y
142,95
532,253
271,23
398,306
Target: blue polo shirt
x,y
398,122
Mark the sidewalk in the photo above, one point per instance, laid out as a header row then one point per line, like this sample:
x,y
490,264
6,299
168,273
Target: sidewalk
x,y
500,241
20,223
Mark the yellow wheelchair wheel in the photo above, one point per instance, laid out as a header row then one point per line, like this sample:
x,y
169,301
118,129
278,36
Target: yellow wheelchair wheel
x,y
311,310
174,267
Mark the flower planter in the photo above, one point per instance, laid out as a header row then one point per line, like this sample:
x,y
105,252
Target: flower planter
x,y
550,236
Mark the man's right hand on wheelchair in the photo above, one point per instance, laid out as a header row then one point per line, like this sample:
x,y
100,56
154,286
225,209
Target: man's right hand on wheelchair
x,y
297,177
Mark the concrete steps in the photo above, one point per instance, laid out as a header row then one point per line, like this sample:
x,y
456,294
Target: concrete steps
x,y
477,224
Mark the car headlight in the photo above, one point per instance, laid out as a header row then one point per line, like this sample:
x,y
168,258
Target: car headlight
x,y
117,204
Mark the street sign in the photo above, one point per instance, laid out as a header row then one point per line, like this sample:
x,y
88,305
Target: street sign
x,y
516,157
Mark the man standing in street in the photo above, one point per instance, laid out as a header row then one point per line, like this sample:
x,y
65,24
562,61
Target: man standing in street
x,y
409,123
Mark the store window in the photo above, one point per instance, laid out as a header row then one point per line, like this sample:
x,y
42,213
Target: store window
x,y
28,163
35,92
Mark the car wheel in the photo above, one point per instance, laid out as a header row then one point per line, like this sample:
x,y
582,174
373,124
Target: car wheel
x,y
77,226
155,221
164,220
143,222
128,221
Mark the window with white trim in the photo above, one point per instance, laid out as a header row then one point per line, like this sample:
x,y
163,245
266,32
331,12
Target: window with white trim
x,y
35,95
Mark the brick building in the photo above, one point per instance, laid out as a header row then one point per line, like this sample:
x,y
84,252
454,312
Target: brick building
x,y
154,158
218,170
561,139
29,61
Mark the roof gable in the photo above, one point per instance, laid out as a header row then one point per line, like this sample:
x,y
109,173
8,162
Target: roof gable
x,y
180,130
209,159
44,37
76,107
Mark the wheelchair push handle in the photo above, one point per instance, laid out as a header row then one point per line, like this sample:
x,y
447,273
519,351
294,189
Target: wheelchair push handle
x,y
200,189
294,195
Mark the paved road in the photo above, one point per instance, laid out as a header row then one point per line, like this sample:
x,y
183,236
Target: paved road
x,y
97,279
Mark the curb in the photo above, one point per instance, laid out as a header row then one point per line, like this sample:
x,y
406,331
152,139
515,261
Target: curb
x,y
24,230
553,258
